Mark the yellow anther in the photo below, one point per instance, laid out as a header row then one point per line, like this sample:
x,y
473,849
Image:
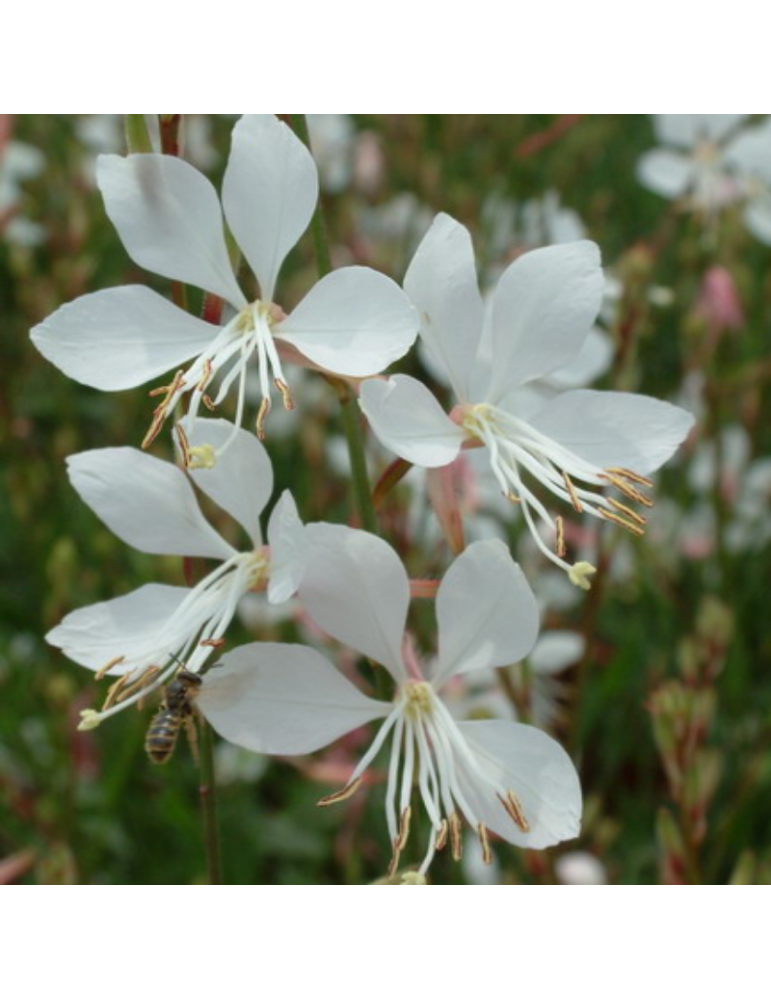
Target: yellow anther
x,y
404,829
484,842
513,807
561,548
456,840
578,575
103,671
283,388
572,491
441,836
635,529
262,413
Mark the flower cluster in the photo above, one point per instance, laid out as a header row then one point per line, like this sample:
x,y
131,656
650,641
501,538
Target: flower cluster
x,y
591,451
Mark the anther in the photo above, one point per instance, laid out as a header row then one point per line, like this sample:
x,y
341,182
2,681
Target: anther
x,y
484,841
561,548
212,643
629,525
633,477
184,444
404,829
342,795
102,671
456,840
206,375
572,491
512,497
441,837
513,807
631,514
283,388
262,413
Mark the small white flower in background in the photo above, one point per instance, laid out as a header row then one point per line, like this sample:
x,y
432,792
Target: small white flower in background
x,y
711,161
143,637
580,868
332,143
354,322
575,444
19,162
503,777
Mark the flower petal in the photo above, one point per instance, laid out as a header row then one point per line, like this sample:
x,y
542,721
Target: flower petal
x,y
757,218
537,770
282,699
543,308
355,322
407,418
269,193
615,429
486,612
442,283
356,589
126,626
242,480
169,220
556,650
288,549
750,152
146,502
687,130
666,173
120,338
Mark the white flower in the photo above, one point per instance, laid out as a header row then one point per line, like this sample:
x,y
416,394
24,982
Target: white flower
x,y
144,636
354,322
503,777
710,162
576,443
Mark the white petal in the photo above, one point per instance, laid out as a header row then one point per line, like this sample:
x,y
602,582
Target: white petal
x,y
615,429
168,217
666,173
269,193
356,589
556,650
531,764
146,502
408,419
687,130
592,361
127,626
757,218
441,281
120,338
288,549
242,480
282,699
486,612
355,322
750,152
543,308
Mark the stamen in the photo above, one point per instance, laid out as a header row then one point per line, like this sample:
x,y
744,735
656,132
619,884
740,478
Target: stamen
x,y
629,525
404,828
627,490
205,375
632,514
114,690
262,413
572,491
160,412
484,841
561,548
208,402
513,807
102,671
342,795
456,839
213,643
89,719
633,477
283,388
441,837
184,444
512,497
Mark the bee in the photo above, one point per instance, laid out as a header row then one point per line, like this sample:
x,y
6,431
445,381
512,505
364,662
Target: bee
x,y
176,709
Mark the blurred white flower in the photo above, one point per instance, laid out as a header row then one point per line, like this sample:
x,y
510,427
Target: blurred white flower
x,y
580,868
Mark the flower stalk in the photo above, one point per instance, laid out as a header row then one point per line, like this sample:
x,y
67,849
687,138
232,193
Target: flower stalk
x,y
207,791
137,136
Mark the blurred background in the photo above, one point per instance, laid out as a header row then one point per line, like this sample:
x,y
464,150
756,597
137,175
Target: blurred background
x,y
658,681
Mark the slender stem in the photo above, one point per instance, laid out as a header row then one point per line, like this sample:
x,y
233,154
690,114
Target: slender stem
x,y
137,136
208,793
362,493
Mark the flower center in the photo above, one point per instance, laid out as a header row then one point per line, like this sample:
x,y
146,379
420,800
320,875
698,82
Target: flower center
x,y
249,332
516,448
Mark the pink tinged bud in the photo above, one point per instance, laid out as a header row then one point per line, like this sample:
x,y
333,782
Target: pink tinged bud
x,y
443,495
718,303
368,164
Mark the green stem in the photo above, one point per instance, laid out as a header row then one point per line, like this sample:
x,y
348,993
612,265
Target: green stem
x,y
362,492
137,136
208,793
